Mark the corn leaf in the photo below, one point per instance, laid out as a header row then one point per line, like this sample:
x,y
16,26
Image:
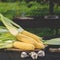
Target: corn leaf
x,y
6,40
10,25
6,44
13,30
55,41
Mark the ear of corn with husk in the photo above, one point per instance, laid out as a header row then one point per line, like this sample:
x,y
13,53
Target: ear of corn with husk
x,y
26,40
23,46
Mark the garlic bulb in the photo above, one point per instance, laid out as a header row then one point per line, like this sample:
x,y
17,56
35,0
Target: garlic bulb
x,y
41,53
24,55
33,55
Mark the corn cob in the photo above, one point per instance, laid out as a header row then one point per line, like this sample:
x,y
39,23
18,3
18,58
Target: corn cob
x,y
35,37
12,27
30,40
39,45
23,46
25,38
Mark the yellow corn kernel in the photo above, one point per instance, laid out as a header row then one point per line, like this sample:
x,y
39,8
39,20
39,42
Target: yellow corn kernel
x,y
25,38
39,45
37,38
23,46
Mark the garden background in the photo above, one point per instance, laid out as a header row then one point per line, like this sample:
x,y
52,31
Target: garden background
x,y
14,8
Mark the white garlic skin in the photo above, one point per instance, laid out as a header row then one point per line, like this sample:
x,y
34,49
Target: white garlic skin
x,y
24,55
33,55
41,53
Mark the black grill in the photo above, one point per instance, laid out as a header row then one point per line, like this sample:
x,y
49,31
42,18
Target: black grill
x,y
13,55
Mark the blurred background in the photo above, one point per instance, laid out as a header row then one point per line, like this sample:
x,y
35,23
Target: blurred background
x,y
35,12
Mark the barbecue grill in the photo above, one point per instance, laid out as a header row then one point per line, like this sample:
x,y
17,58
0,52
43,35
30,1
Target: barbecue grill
x,y
6,54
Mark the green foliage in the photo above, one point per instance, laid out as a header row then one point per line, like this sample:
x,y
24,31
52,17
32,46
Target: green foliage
x,y
8,0
57,10
8,9
41,31
38,31
22,8
6,39
12,9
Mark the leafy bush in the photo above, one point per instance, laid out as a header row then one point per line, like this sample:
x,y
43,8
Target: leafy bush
x,y
11,9
8,0
23,8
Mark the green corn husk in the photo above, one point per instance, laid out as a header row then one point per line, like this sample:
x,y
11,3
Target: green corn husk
x,y
10,25
20,29
6,40
12,28
55,41
12,22
6,44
